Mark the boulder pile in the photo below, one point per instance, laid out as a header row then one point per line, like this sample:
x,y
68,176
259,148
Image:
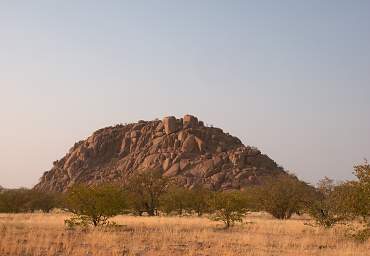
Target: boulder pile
x,y
184,150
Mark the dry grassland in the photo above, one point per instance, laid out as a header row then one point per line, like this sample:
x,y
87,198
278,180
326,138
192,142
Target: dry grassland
x,y
45,234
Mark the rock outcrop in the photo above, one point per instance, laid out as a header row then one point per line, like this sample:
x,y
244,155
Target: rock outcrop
x,y
182,149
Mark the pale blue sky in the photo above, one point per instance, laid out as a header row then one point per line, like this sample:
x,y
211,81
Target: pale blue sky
x,y
290,77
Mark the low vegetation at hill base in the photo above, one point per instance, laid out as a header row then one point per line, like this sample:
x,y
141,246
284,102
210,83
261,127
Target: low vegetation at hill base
x,y
153,216
153,194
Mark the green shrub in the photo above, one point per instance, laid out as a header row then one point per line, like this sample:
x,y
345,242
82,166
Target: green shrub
x,y
27,200
182,200
176,199
94,205
199,202
281,196
228,207
145,190
323,214
348,202
353,200
14,200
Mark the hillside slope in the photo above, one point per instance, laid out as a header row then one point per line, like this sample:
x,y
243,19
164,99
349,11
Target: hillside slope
x,y
183,149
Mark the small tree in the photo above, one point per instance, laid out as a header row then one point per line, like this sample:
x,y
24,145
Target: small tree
x,y
14,200
145,190
352,200
176,199
27,200
321,206
181,200
43,201
349,201
228,207
95,204
199,200
325,186
361,203
282,196
323,213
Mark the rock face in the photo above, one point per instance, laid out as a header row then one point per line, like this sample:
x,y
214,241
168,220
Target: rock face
x,y
183,149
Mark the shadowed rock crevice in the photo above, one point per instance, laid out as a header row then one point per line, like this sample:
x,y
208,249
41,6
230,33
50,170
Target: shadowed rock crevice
x,y
183,149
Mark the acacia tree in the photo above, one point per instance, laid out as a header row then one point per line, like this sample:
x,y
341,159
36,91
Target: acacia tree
x,y
322,207
14,200
348,201
199,202
176,199
181,200
94,204
353,199
43,201
361,201
228,207
27,200
145,190
281,196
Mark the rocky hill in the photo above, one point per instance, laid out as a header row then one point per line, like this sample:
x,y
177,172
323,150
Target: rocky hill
x,y
183,149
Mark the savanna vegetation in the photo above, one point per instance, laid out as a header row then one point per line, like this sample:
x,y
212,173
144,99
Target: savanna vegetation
x,y
330,206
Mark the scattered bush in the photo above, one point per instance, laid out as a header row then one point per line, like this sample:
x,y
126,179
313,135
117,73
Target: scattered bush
x,y
176,199
151,192
94,205
200,199
281,196
41,201
181,200
353,200
144,191
27,200
349,201
323,214
321,207
228,207
14,201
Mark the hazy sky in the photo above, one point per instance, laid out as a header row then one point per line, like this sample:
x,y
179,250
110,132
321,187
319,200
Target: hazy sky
x,y
290,77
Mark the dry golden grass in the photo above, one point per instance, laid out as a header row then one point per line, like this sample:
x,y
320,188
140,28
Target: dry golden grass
x,y
45,234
